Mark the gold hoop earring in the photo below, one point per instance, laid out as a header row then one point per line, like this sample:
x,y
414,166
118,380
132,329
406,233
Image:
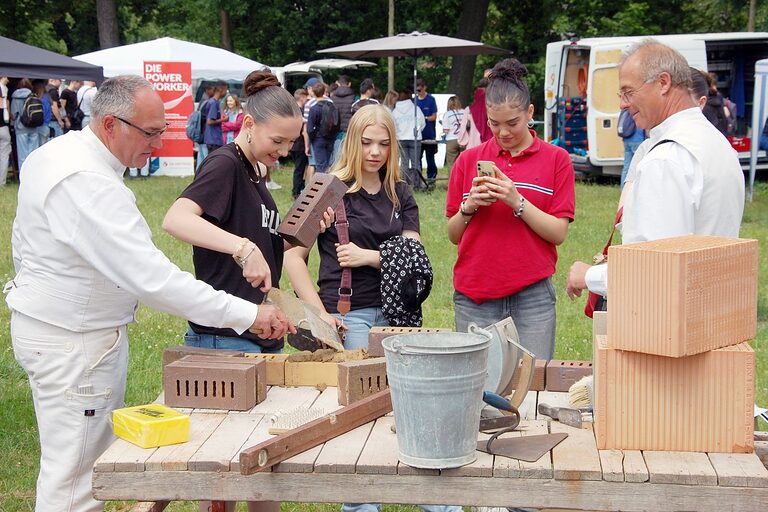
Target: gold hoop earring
x,y
248,137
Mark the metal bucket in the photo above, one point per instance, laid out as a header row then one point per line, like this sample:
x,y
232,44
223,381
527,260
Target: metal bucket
x,y
436,381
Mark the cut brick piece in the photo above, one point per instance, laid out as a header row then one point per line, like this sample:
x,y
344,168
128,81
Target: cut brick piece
x,y
561,375
275,367
172,354
699,403
360,379
682,296
302,223
311,373
261,371
210,384
377,334
539,376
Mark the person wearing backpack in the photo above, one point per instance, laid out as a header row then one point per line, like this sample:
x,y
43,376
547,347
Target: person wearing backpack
x,y
322,127
27,138
632,137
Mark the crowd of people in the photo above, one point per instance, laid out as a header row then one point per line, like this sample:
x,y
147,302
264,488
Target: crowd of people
x,y
84,255
32,112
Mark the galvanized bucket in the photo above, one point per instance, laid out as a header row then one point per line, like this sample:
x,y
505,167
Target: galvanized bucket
x,y
436,381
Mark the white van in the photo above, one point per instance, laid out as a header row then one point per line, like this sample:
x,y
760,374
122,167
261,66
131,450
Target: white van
x,y
293,76
582,82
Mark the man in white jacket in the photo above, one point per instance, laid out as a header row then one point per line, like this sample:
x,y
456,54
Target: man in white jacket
x,y
689,181
84,257
409,122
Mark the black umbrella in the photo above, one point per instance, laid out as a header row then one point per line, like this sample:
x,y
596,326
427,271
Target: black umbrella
x,y
414,45
25,61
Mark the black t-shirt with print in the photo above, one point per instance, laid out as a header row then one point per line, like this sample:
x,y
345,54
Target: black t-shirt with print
x,y
71,99
372,220
231,198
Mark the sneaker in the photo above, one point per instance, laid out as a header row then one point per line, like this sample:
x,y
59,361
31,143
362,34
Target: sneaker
x,y
273,185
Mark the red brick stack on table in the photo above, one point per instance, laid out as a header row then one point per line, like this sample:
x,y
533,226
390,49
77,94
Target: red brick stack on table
x,y
673,370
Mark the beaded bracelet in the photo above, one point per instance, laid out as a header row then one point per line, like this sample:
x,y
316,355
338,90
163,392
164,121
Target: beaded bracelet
x,y
519,211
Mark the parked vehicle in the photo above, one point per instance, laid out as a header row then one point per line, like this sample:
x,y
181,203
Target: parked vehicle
x,y
582,81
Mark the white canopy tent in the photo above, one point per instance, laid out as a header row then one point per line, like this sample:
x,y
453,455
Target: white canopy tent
x,y
208,63
759,107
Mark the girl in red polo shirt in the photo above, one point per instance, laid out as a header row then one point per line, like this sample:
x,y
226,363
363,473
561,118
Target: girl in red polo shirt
x,y
507,227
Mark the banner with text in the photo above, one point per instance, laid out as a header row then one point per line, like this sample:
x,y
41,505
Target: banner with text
x,y
173,82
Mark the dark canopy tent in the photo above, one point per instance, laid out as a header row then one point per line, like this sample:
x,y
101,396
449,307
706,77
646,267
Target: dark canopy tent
x,y
22,60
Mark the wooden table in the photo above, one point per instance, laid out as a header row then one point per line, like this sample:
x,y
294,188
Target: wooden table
x,y
362,466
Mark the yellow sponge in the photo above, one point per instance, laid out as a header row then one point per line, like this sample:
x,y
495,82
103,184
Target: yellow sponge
x,y
151,425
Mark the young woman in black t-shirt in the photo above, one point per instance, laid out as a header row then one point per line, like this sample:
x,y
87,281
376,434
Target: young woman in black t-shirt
x,y
230,218
379,205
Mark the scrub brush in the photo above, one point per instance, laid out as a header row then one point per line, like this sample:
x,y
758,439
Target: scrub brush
x,y
580,395
283,421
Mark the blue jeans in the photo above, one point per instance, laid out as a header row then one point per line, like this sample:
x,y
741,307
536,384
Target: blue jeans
x,y
192,339
410,165
359,322
202,152
430,150
56,127
322,149
26,142
629,151
763,142
532,309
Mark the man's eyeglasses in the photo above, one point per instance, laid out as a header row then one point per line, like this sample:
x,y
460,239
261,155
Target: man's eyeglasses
x,y
145,133
626,95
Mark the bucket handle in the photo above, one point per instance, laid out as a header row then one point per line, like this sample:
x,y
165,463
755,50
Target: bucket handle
x,y
474,329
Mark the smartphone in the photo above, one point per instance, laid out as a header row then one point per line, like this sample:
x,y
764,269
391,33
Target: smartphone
x,y
486,169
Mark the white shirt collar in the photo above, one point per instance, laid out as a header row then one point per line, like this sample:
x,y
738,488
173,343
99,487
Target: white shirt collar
x,y
91,139
663,128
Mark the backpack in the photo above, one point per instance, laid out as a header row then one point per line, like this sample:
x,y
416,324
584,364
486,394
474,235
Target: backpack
x,y
194,126
32,114
626,126
330,121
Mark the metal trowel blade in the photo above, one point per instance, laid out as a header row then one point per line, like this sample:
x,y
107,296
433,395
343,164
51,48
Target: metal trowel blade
x,y
527,448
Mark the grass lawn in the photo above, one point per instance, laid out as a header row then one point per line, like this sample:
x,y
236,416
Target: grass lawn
x,y
596,206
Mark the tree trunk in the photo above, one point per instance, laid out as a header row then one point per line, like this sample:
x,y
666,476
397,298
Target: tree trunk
x,y
751,21
390,60
226,30
109,30
471,24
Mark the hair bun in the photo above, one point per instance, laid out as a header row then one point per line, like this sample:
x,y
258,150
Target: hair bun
x,y
508,69
258,80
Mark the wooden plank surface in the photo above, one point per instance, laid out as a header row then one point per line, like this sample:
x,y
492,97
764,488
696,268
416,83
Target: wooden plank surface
x,y
379,456
285,399
482,466
542,468
612,463
123,456
635,470
217,451
259,434
528,407
576,458
690,468
340,455
176,457
739,469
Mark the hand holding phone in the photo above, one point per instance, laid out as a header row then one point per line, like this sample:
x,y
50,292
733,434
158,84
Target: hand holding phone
x,y
486,169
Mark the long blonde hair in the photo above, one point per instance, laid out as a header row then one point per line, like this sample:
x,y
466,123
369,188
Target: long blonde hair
x,y
349,167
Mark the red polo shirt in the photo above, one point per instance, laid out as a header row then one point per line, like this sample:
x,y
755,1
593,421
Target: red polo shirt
x,y
499,254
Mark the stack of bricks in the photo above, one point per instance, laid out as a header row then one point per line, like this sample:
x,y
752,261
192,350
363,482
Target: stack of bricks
x,y
673,371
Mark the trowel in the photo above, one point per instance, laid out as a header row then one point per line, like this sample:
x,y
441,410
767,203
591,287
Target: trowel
x,y
313,333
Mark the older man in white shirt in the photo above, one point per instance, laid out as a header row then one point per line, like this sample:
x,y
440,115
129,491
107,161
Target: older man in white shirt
x,y
84,257
690,181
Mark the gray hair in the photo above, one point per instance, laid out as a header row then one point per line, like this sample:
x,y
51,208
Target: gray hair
x,y
658,58
117,96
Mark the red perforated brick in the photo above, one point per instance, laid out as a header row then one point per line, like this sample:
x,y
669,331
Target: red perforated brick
x,y
377,334
302,223
210,384
261,370
172,354
561,375
360,379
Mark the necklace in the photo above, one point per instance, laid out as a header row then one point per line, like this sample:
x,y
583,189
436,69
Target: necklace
x,y
249,168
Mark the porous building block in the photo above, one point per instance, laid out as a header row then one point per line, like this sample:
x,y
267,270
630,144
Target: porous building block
x,y
172,354
539,381
359,379
377,334
311,373
681,296
275,367
302,223
561,375
210,385
699,403
261,371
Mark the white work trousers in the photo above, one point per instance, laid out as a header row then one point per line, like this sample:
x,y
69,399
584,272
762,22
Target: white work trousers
x,y
77,380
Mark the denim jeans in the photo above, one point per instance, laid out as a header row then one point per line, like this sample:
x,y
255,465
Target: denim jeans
x,y
359,322
26,142
629,151
532,309
202,152
300,162
77,379
430,150
192,339
322,149
410,165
